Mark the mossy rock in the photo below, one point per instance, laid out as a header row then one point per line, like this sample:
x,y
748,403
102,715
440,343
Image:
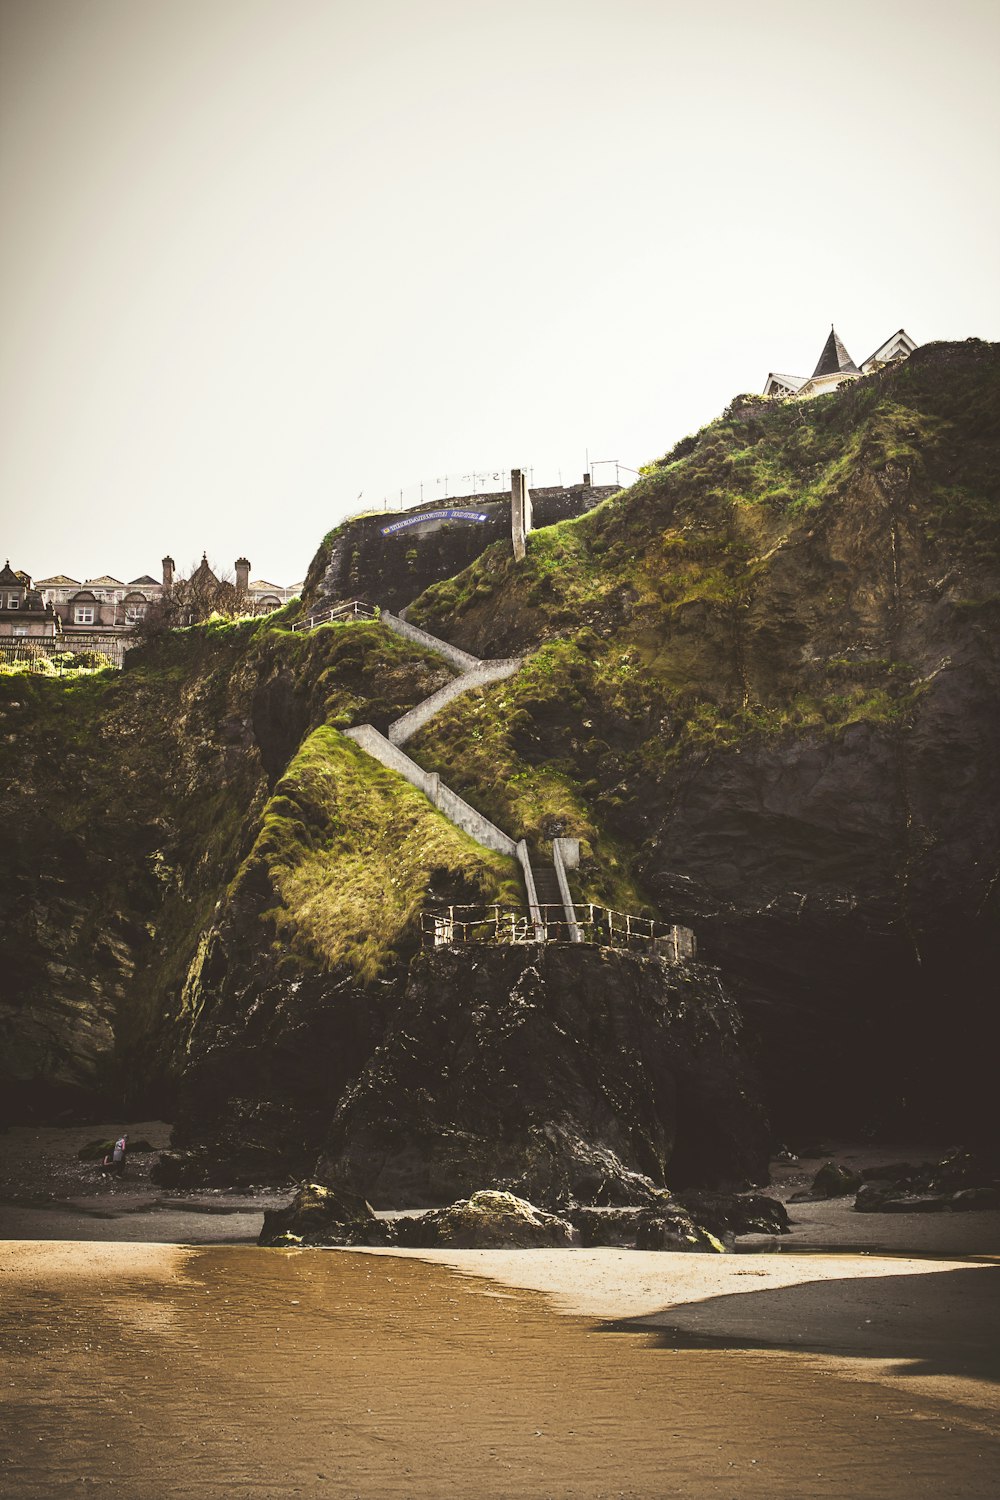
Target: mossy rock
x,y
833,1180
321,1215
487,1220
672,1228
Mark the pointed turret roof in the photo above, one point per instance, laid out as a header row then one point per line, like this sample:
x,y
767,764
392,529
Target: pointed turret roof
x,y
835,359
10,579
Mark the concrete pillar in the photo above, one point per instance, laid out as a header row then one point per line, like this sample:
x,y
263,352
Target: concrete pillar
x,y
520,512
242,574
168,572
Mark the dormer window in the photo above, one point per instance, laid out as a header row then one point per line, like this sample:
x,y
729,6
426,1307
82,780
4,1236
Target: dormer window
x,y
83,614
13,601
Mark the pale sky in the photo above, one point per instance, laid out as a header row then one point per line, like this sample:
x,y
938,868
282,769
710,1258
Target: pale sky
x,y
259,256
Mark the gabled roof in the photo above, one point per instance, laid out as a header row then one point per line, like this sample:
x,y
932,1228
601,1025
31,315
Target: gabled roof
x,y
262,583
835,359
10,579
203,572
900,333
144,579
104,582
59,580
792,381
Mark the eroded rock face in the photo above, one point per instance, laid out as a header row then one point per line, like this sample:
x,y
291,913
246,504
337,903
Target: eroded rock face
x,y
488,1220
557,1073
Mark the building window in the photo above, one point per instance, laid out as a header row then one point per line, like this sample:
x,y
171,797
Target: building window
x,y
20,630
83,614
13,601
134,613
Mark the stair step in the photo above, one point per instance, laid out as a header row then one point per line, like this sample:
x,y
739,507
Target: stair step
x,y
546,884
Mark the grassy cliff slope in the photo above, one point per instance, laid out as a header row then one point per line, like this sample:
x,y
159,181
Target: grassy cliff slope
x,y
137,806
762,685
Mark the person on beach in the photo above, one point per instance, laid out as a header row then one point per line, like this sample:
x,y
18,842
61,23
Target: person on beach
x,y
115,1163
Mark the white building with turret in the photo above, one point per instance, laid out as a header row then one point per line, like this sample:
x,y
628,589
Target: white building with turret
x,y
835,366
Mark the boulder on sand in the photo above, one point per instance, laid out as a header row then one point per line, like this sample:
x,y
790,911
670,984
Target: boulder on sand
x,y
831,1181
485,1221
735,1213
320,1215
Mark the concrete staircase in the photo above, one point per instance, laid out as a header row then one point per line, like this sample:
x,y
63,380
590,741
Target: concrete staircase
x,y
545,886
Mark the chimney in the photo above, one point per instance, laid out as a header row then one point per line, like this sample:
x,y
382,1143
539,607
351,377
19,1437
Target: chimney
x,y
586,480
168,572
242,574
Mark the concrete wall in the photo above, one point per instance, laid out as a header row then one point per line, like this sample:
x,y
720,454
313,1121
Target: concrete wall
x,y
566,856
404,728
520,513
678,947
524,859
461,660
444,799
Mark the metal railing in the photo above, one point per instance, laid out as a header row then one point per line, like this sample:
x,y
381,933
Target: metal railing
x,y
351,609
598,925
40,651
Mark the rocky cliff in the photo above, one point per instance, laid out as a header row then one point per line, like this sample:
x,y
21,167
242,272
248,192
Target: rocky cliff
x,y
560,1073
761,687
143,809
764,692
388,559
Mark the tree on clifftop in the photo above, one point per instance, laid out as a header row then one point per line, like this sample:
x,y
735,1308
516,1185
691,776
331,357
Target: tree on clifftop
x,y
189,601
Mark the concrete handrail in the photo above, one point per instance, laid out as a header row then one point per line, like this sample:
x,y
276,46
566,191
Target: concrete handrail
x,y
566,856
460,659
406,726
454,807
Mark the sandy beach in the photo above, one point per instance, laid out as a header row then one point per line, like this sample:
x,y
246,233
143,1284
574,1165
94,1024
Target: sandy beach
x,y
148,1370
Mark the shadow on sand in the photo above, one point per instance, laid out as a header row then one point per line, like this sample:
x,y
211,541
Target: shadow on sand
x,y
937,1323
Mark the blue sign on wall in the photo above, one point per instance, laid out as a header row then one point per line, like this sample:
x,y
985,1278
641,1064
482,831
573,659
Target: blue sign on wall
x,y
435,515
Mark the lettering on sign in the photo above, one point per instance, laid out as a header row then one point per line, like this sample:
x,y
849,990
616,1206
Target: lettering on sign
x,y
435,515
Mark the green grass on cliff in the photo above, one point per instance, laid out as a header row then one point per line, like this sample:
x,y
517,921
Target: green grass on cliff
x,y
352,852
705,520
753,586
130,798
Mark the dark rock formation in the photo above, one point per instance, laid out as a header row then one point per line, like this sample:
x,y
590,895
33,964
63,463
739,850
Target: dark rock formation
x,y
770,670
319,1215
963,1181
606,1226
559,1073
672,1228
487,1220
664,1224
735,1213
833,1180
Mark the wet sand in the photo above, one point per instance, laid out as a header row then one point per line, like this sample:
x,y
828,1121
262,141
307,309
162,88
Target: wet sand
x,y
149,1370
153,1371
